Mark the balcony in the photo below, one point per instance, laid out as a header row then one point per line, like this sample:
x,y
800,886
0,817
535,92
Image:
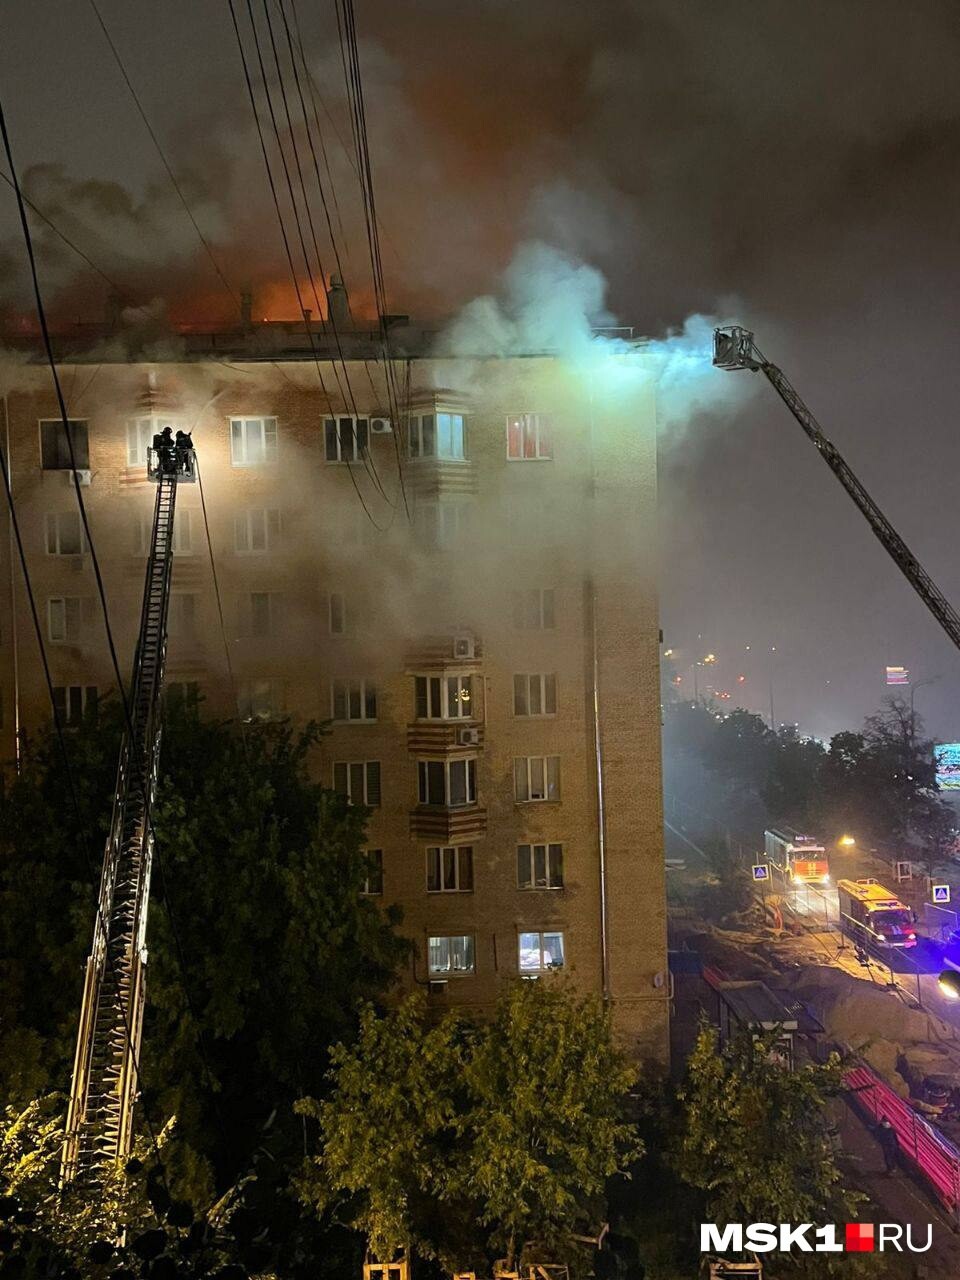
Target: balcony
x,y
448,826
428,737
441,477
438,654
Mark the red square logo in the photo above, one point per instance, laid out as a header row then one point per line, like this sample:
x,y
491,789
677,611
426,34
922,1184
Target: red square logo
x,y
859,1237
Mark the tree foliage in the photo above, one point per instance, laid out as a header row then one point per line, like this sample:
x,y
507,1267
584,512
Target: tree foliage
x,y
753,1135
261,943
467,1140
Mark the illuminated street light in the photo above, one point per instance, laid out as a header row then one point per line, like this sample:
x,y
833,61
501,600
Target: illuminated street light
x,y
949,983
668,653
847,841
711,657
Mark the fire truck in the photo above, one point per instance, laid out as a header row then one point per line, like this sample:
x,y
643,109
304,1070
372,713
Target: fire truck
x,y
800,859
873,916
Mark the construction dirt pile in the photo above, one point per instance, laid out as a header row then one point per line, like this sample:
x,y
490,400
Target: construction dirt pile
x,y
904,1045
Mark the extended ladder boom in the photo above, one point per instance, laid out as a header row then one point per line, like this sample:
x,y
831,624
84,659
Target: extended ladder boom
x,y
99,1128
734,348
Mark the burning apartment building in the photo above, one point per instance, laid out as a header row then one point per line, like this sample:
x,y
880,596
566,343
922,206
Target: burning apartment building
x,y
449,558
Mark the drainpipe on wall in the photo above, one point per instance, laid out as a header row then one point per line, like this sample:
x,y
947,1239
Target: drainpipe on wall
x,y
14,638
598,743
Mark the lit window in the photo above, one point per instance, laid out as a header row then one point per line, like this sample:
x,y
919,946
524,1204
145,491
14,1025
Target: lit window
x,y
452,783
450,870
354,700
540,952
65,536
260,700
66,618
536,778
373,882
539,866
436,435
345,439
337,614
528,437
140,433
358,781
55,449
256,531
451,954
75,702
534,610
253,441
535,695
444,697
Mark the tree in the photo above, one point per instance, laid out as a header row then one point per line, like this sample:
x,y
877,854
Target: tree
x,y
753,1137
792,786
466,1141
262,945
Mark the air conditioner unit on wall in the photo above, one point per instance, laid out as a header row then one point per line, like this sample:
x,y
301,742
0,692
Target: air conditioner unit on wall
x,y
437,986
84,477
468,737
464,646
380,426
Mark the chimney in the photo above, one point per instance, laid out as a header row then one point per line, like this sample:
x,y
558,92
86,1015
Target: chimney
x,y
246,309
338,307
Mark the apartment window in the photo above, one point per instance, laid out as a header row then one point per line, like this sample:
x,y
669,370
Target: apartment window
x,y
74,701
256,531
259,614
182,541
345,439
444,697
373,882
436,435
528,437
358,781
539,866
182,615
536,778
65,618
140,433
55,449
441,525
337,613
253,441
260,700
533,610
450,870
451,783
354,700
451,954
64,534
183,695
535,695
541,951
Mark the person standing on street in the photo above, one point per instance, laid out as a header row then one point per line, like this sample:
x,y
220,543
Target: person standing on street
x,y
889,1145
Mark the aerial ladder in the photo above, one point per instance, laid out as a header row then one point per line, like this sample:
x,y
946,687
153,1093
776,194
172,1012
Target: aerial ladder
x,y
734,348
99,1129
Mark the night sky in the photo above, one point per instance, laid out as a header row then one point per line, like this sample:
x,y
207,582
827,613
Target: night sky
x,y
793,166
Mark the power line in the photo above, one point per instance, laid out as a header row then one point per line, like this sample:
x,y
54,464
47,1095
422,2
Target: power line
x,y
276,203
68,432
62,236
156,142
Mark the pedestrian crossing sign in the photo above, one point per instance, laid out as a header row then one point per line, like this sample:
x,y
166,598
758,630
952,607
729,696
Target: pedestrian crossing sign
x,y
761,871
941,893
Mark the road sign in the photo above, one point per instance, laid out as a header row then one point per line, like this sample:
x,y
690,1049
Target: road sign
x,y
761,871
940,893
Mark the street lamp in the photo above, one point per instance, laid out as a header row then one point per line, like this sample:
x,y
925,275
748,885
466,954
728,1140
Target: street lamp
x,y
847,842
949,984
